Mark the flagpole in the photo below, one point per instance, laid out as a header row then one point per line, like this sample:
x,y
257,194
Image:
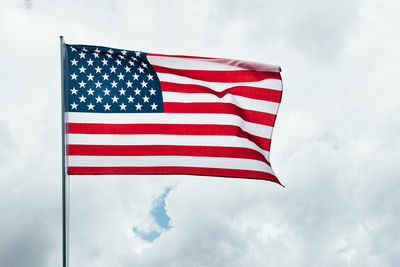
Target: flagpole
x,y
65,192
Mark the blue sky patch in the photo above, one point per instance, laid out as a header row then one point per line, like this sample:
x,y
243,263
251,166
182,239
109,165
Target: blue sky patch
x,y
159,214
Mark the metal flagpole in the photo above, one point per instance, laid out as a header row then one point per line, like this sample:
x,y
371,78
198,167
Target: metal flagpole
x,y
65,192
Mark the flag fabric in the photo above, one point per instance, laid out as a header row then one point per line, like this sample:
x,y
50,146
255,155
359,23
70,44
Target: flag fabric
x,y
130,112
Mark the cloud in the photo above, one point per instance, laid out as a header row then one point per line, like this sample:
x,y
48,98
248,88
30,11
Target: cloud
x,y
335,145
316,30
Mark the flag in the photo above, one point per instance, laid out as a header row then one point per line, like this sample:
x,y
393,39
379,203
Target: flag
x,y
130,112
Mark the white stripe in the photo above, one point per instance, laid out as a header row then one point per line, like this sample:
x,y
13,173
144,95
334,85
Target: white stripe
x,y
239,101
189,63
273,84
170,118
159,139
164,161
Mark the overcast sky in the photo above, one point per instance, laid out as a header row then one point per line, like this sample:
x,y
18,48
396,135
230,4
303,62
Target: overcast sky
x,y
335,147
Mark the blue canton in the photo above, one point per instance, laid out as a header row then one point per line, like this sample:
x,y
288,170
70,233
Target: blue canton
x,y
108,80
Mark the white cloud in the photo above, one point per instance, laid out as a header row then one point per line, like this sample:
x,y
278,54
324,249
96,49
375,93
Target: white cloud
x,y
335,145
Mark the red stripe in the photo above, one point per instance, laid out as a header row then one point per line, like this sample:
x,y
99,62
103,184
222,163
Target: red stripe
x,y
232,62
175,129
218,108
220,75
246,91
174,170
179,56
165,150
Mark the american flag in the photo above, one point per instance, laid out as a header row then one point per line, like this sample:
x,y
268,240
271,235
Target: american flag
x,y
130,112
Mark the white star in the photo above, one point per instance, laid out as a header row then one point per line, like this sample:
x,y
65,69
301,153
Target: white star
x,y
82,69
82,98
96,55
90,91
121,56
84,49
122,91
127,69
134,59
154,106
152,91
140,70
144,65
137,54
82,84
90,106
73,62
121,76
150,77
73,76
124,52
105,76
135,77
106,92
131,63
138,106
145,99
73,91
74,105
144,84
105,61
90,62
98,84
90,77
130,99
110,51
82,55
112,69
137,91
98,99
106,106
118,62
109,56
123,106
98,69
128,84
114,84
115,99
73,49
97,50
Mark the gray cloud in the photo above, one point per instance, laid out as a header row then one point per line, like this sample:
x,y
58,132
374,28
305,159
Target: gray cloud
x,y
335,145
316,29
